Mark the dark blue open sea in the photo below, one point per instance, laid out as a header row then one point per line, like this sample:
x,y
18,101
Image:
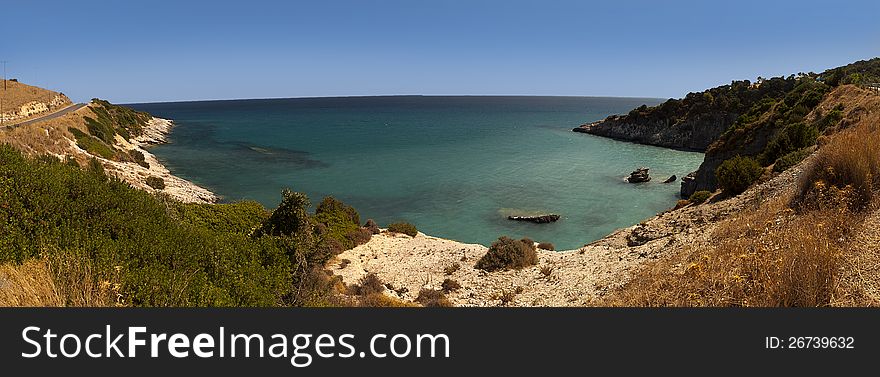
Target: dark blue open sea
x,y
453,166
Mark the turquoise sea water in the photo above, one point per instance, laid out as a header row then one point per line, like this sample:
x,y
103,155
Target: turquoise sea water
x,y
453,166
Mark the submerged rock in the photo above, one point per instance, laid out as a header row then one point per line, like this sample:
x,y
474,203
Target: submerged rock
x,y
639,175
670,179
539,219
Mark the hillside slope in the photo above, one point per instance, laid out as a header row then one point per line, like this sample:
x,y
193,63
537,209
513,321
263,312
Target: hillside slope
x,y
765,120
115,137
20,102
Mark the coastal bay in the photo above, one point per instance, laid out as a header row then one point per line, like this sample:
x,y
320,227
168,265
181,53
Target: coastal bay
x,y
457,167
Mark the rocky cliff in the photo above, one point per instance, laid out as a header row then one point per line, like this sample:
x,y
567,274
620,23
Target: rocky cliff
x,y
765,120
695,134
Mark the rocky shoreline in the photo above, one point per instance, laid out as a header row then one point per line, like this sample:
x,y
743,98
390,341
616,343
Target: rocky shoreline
x,y
580,277
691,136
155,132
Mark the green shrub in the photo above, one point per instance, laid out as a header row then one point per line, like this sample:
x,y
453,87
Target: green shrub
x,y
241,217
405,228
138,158
340,222
791,159
737,174
96,167
546,246
699,197
291,217
794,137
123,120
92,144
138,241
156,182
507,253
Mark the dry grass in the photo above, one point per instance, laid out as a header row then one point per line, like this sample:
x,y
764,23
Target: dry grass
x,y
786,251
17,94
846,172
378,300
768,256
28,284
62,282
47,137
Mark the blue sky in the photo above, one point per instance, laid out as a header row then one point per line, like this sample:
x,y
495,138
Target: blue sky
x,y
144,51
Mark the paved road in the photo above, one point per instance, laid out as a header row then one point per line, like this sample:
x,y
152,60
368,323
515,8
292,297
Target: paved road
x,y
56,114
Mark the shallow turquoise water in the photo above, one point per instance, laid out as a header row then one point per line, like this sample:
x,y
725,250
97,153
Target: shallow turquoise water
x,y
454,166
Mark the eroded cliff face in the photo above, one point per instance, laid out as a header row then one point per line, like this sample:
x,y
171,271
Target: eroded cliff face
x,y
36,107
694,133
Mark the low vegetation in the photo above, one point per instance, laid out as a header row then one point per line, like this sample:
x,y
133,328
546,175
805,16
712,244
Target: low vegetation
x,y
403,227
507,253
450,285
784,251
372,226
106,243
155,182
737,174
700,197
450,269
845,172
791,159
433,298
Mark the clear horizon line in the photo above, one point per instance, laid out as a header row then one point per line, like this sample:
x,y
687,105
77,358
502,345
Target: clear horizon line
x,y
389,95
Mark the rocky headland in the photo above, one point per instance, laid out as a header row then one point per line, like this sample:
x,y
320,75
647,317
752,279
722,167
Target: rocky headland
x,y
765,120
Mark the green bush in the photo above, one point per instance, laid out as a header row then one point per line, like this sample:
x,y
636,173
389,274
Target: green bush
x,y
241,217
156,182
92,144
737,174
403,227
139,158
793,138
791,159
546,246
121,234
699,197
507,253
290,218
340,222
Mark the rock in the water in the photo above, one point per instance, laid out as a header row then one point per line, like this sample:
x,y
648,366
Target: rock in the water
x,y
540,219
670,179
639,175
688,185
